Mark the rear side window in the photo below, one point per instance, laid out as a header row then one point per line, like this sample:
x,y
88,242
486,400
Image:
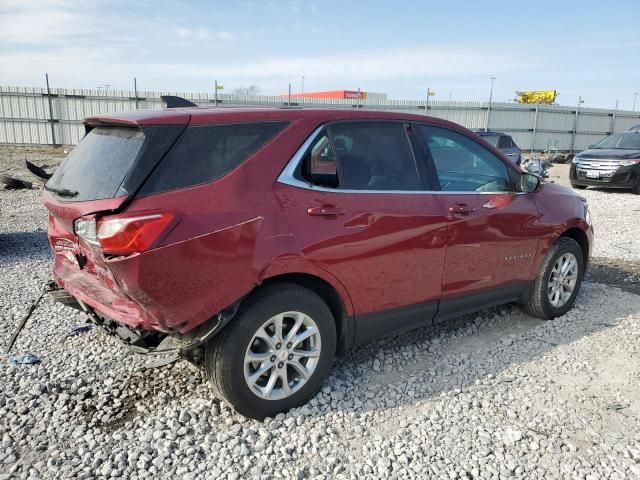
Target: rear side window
x,y
205,153
96,168
362,156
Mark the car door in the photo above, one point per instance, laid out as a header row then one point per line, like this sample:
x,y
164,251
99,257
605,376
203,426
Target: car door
x,y
370,224
491,235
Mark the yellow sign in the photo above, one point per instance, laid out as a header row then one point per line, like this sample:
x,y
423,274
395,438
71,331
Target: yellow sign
x,y
219,87
539,96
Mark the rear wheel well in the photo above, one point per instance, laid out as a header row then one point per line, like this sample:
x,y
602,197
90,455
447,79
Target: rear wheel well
x,y
579,236
322,288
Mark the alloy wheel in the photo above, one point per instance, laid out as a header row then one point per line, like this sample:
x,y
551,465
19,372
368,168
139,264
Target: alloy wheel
x,y
562,280
282,355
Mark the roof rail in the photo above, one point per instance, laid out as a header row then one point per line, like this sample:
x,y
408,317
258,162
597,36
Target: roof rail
x,y
176,102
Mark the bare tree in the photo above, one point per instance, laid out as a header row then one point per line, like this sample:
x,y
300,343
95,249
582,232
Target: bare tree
x,y
249,91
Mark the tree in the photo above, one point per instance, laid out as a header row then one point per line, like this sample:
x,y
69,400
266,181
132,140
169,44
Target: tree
x,y
249,91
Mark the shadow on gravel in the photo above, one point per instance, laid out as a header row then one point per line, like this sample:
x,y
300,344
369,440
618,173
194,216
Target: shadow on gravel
x,y
621,273
17,246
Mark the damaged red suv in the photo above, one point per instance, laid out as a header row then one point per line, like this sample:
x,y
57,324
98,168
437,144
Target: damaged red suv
x,y
260,242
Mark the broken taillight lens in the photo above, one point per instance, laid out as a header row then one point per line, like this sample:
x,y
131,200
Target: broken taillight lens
x,y
127,235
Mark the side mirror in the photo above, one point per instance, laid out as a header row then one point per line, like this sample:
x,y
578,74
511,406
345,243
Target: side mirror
x,y
529,182
591,146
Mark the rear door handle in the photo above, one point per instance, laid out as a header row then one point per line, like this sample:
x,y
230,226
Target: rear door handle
x,y
461,208
326,211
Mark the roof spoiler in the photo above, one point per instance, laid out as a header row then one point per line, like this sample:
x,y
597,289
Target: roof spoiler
x,y
172,101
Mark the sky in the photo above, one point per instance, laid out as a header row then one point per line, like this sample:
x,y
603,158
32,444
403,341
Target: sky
x,y
579,48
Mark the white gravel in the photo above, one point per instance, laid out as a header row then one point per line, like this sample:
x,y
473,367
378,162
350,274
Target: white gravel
x,y
493,395
616,216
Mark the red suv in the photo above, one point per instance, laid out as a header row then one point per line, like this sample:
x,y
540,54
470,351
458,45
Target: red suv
x,y
261,242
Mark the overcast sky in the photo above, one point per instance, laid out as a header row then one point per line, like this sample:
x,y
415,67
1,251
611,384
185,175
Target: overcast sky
x,y
591,48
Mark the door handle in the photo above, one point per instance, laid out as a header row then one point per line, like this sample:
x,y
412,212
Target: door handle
x,y
510,154
461,208
325,211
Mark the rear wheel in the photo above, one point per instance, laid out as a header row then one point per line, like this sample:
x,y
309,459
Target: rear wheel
x,y
636,189
558,283
275,354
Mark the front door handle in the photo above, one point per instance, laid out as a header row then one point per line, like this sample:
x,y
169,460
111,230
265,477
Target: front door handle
x,y
461,208
326,211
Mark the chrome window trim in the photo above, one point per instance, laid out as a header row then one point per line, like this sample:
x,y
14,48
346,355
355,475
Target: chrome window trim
x,y
287,177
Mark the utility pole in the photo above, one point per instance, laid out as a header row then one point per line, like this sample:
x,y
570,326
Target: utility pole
x,y
575,125
135,91
613,117
289,100
358,103
426,104
106,86
215,94
53,130
302,84
486,123
635,97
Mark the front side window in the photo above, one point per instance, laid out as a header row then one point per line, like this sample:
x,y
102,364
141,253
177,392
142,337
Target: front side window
x,y
205,153
362,156
462,164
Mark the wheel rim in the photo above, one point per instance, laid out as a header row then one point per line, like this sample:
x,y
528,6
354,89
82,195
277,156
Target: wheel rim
x,y
282,355
563,280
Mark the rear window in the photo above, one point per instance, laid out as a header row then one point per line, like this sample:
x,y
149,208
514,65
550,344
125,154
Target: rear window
x,y
205,153
96,167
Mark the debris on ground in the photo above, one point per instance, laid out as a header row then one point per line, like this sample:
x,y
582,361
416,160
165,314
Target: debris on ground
x,y
39,172
12,183
161,362
25,359
79,329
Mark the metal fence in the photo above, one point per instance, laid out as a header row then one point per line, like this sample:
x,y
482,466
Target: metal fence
x,y
32,116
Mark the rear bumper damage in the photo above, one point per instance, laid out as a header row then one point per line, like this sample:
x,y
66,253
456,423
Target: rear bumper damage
x,y
141,340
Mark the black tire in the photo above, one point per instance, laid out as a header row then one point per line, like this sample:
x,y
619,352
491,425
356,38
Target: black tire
x,y
636,189
578,187
538,303
224,356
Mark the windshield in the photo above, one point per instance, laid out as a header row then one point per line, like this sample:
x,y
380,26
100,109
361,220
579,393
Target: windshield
x,y
96,168
621,141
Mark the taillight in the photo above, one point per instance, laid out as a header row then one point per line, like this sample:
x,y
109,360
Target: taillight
x,y
86,230
127,235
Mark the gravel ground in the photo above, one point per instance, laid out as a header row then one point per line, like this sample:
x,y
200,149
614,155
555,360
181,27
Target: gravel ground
x,y
493,395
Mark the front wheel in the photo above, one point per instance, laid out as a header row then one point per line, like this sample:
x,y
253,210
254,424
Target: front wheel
x,y
275,353
578,187
558,283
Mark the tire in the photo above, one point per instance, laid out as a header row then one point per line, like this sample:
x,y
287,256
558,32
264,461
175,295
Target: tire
x,y
227,352
539,303
636,189
578,187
